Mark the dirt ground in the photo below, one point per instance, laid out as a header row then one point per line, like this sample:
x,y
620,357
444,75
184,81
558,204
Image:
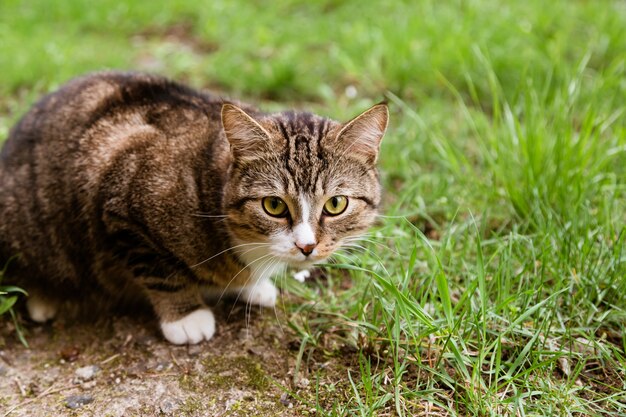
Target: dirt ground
x,y
121,366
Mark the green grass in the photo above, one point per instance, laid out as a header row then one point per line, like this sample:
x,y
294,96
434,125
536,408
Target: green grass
x,y
496,283
9,295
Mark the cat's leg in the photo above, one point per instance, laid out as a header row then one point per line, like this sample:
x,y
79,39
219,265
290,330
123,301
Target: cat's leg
x,y
262,292
175,297
41,309
193,328
184,318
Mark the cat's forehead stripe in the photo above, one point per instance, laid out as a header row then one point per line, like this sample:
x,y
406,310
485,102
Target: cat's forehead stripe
x,y
304,158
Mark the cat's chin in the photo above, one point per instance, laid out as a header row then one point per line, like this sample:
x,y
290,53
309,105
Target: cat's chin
x,y
303,264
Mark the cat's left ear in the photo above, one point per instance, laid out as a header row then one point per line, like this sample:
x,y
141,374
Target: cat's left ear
x,y
361,136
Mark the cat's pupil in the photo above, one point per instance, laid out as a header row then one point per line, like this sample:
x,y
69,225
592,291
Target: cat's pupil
x,y
335,202
274,203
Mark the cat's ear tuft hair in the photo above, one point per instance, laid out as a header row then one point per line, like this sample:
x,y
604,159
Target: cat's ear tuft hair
x,y
361,136
246,136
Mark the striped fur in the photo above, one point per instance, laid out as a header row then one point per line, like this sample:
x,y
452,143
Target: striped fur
x,y
130,187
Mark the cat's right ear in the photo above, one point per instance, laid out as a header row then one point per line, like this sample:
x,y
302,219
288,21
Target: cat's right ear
x,y
246,136
361,136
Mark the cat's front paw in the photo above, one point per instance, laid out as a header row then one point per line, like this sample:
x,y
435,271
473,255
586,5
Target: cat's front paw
x,y
191,329
262,293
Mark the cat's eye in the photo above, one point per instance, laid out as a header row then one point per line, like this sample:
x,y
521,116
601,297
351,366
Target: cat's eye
x,y
275,207
336,205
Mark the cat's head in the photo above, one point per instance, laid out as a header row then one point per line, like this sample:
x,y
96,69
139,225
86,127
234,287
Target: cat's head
x,y
300,185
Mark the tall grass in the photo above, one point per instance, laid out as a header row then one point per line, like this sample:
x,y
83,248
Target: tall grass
x,y
494,283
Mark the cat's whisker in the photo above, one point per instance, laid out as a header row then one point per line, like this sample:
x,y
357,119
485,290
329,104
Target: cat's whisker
x,y
249,250
217,220
373,242
273,262
248,307
402,217
361,236
351,259
377,258
259,244
370,238
225,289
283,280
356,243
209,216
268,266
358,237
345,255
332,259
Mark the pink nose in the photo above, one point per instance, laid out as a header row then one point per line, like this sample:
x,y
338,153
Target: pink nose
x,y
306,249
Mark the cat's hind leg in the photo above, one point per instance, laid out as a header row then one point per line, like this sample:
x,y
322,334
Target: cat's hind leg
x,y
41,309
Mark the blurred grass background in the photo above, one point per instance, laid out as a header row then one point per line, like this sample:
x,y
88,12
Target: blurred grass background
x,y
505,170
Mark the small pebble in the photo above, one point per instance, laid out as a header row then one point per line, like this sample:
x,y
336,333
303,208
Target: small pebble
x,y
255,351
303,383
194,350
86,372
244,334
162,366
284,399
88,385
76,401
69,353
169,406
146,340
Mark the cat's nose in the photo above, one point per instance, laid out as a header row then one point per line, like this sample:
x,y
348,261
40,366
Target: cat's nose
x,y
306,249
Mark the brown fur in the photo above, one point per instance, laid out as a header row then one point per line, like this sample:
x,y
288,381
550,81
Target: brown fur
x,y
121,184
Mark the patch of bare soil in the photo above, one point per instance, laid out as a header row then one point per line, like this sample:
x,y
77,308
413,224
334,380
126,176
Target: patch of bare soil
x,y
121,366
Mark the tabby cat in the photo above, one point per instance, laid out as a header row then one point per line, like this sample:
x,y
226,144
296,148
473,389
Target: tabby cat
x,y
129,187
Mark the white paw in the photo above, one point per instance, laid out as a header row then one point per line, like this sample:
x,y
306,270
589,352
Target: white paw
x,y
41,310
302,275
191,329
262,293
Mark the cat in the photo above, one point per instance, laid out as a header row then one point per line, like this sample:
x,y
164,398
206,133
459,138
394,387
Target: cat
x,y
130,186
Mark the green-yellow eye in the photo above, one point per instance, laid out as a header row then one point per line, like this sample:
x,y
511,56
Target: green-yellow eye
x,y
336,205
275,207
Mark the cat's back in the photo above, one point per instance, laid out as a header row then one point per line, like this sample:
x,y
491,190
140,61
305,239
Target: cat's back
x,y
72,136
107,100
96,132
